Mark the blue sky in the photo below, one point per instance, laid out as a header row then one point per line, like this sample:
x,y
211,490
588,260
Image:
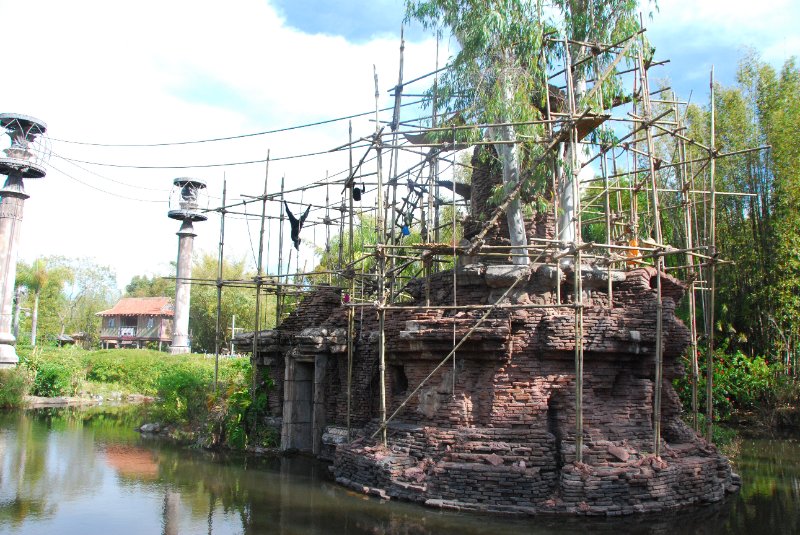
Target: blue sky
x,y
355,20
694,35
155,71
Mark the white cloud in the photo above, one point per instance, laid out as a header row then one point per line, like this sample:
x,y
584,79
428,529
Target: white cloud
x,y
163,71
728,24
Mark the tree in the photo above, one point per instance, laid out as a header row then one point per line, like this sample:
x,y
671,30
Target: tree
x,y
91,289
758,305
236,301
150,286
498,75
580,22
36,278
65,294
778,111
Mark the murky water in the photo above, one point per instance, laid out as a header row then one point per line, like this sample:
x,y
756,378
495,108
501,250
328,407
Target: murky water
x,y
87,472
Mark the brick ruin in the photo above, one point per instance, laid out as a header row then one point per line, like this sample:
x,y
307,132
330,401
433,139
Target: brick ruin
x,y
495,430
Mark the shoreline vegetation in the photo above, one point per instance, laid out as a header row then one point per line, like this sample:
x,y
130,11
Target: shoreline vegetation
x,y
751,396
174,390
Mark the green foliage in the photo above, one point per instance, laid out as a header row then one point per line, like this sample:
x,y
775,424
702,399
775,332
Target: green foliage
x,y
152,286
502,72
131,370
364,237
62,376
183,389
182,384
43,279
758,305
235,301
725,438
740,383
236,419
490,77
15,384
64,295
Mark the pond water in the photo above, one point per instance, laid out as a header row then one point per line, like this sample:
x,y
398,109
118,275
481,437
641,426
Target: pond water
x,y
87,471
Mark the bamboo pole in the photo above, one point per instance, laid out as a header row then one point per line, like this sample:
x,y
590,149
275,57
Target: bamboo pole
x,y
712,252
687,214
381,232
350,311
659,264
259,269
327,224
279,293
219,284
394,158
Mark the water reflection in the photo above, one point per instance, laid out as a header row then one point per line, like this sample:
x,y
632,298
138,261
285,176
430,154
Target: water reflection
x,y
74,471
36,460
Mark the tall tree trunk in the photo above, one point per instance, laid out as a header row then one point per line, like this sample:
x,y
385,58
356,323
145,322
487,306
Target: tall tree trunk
x,y
17,306
567,218
34,318
510,162
509,158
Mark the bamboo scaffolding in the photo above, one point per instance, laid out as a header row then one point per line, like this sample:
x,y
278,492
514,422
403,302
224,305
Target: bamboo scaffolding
x,y
627,200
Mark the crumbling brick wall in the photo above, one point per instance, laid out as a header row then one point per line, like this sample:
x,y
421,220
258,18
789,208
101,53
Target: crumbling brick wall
x,y
494,428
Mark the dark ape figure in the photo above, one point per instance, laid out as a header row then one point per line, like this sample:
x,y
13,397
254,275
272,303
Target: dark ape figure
x,y
296,224
465,190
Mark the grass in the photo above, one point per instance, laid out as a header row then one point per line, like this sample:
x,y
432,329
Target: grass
x,y
14,386
71,371
182,384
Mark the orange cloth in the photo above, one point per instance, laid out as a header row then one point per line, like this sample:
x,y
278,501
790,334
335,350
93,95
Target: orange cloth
x,y
632,253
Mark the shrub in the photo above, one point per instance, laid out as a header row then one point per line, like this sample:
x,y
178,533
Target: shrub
x,y
134,370
52,377
182,382
183,389
740,383
14,386
236,418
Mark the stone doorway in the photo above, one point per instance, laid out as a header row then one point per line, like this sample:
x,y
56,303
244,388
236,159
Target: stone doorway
x,y
303,405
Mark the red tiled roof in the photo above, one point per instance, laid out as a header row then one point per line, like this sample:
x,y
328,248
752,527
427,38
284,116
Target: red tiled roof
x,y
141,306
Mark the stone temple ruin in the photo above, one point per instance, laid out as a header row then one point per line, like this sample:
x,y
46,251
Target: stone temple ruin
x,y
527,365
494,429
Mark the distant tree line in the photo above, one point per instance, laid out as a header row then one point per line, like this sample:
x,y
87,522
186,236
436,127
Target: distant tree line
x,y
57,295
758,299
62,296
237,300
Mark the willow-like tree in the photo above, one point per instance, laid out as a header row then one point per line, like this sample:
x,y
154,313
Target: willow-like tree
x,y
500,72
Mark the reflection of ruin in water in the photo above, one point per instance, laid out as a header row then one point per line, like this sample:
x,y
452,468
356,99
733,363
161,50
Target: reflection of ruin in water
x,y
222,494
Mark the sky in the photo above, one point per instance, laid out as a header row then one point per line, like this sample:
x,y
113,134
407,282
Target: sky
x,y
152,72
